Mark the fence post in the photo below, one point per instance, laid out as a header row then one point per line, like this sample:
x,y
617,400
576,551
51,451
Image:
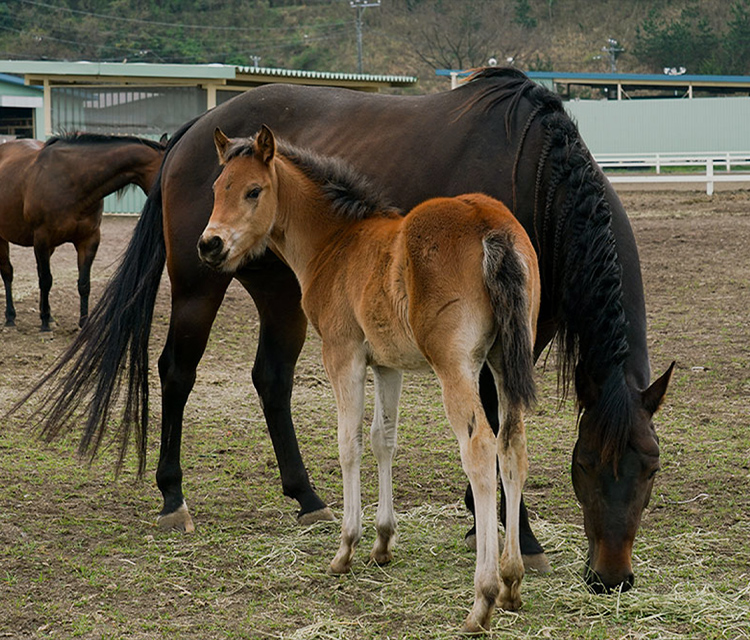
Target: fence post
x,y
658,163
710,177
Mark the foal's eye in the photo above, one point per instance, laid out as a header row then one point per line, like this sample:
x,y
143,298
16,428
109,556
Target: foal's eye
x,y
253,193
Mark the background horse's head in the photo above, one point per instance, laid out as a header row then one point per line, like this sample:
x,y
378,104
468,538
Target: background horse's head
x,y
614,486
245,201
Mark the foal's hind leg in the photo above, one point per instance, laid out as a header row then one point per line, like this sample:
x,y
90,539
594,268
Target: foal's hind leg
x,y
511,448
478,446
6,271
383,438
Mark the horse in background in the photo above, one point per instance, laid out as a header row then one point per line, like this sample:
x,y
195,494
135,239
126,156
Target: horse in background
x,y
500,134
453,283
51,193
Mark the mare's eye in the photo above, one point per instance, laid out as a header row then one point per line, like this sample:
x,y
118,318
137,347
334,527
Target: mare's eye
x,y
653,473
253,193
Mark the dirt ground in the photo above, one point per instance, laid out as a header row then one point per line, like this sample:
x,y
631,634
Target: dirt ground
x,y
695,253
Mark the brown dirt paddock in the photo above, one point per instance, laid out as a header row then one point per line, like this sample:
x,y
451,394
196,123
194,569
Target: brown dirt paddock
x,y
80,556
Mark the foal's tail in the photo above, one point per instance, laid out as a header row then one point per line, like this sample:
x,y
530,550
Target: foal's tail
x,y
111,351
507,279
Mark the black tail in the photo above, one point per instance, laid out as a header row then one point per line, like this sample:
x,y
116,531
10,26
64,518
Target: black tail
x,y
506,279
112,348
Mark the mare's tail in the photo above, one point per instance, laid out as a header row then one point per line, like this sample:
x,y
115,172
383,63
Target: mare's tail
x,y
111,351
506,280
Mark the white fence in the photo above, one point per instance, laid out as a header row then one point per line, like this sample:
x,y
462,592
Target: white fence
x,y
726,163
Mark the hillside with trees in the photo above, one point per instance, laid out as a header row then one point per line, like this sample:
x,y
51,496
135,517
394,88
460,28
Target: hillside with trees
x,y
409,37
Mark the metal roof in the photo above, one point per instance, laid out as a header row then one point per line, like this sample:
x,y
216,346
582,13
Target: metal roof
x,y
37,71
329,75
630,81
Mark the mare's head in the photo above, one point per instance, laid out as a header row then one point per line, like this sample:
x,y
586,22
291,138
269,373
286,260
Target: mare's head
x,y
245,201
613,481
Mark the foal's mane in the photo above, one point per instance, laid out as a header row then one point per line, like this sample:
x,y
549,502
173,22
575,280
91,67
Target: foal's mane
x,y
353,196
81,137
576,246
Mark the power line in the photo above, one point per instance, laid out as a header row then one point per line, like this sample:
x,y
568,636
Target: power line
x,y
157,23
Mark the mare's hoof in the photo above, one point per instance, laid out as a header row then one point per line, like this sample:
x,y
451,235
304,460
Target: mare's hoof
x,y
321,515
178,520
10,323
471,541
537,562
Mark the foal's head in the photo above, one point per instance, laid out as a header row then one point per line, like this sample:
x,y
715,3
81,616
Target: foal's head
x,y
245,201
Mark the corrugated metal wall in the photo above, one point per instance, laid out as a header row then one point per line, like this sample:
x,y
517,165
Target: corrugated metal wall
x,y
147,112
700,125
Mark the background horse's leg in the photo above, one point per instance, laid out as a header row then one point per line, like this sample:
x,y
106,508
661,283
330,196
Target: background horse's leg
x,y
195,302
43,253
6,271
383,436
86,251
531,550
283,329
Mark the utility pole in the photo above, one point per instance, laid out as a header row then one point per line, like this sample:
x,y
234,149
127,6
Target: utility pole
x,y
360,6
613,50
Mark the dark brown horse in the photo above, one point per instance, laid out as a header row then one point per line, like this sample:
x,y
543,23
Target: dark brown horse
x,y
52,193
500,134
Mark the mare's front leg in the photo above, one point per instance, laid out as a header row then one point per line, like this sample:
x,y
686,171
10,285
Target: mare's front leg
x,y
6,271
86,252
346,368
196,297
283,329
383,436
43,253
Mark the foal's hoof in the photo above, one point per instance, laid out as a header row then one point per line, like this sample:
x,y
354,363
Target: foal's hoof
x,y
510,596
311,517
178,520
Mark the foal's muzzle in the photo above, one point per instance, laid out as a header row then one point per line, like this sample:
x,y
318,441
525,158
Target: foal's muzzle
x,y
212,251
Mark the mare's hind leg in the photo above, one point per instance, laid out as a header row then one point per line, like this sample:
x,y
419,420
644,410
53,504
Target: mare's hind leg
x,y
383,436
6,271
283,328
86,252
42,253
195,301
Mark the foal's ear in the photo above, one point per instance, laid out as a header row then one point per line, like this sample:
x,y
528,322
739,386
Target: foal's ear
x,y
654,395
265,144
222,142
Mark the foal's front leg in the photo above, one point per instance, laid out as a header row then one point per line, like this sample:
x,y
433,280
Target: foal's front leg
x,y
346,369
383,438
